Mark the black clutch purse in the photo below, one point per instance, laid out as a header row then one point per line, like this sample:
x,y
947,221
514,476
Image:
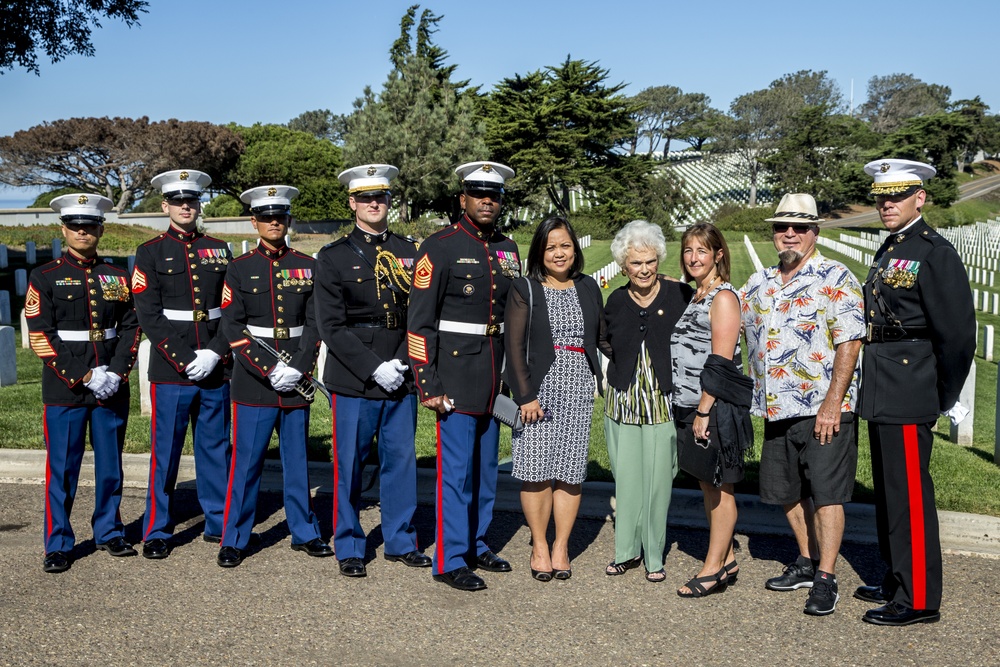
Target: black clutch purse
x,y
507,412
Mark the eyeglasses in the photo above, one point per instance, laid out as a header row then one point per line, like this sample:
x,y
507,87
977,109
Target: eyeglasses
x,y
798,228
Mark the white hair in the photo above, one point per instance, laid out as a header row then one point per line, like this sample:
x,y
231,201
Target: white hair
x,y
636,235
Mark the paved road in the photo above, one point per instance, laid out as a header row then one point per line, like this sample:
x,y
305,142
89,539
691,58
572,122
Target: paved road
x,y
281,607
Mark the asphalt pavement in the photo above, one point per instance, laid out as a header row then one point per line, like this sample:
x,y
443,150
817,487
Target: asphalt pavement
x,y
281,607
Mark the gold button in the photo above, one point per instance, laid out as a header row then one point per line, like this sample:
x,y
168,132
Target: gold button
x,y
385,306
194,266
454,353
63,372
194,277
88,270
890,248
69,296
265,368
468,275
493,300
421,382
494,271
95,326
197,302
170,270
906,361
280,285
197,289
93,313
494,287
420,370
256,359
254,290
871,313
359,280
281,297
165,347
492,317
174,354
191,255
274,263
90,280
281,321
277,275
93,291
659,312
379,248
281,309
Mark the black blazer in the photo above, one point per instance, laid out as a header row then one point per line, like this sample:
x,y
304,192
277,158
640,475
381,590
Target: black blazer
x,y
524,377
628,325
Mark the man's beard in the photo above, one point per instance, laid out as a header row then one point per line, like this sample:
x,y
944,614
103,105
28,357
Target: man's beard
x,y
790,257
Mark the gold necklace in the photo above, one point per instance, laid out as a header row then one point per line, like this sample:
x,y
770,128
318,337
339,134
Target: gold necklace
x,y
702,292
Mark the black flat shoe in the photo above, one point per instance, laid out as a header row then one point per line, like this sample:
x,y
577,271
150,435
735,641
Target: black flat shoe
x,y
896,614
871,594
229,557
490,562
314,547
463,579
353,567
411,559
562,575
57,561
118,547
155,549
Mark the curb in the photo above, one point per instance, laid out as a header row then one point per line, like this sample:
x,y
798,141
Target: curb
x,y
961,533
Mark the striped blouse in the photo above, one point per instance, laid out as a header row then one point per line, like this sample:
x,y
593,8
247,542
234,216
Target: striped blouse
x,y
642,402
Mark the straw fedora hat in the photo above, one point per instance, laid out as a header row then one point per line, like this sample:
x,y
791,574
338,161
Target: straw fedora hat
x,y
797,208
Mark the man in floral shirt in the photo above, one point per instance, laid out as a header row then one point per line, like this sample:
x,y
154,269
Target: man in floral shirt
x,y
804,321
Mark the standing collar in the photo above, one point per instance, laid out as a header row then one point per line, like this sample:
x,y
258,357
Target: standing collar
x,y
484,233
264,248
178,234
74,259
370,238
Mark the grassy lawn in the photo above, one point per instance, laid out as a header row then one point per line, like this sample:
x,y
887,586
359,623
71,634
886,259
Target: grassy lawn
x,y
966,478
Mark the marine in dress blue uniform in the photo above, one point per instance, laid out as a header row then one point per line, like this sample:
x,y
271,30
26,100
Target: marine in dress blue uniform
x,y
919,348
455,342
363,280
177,286
268,293
82,325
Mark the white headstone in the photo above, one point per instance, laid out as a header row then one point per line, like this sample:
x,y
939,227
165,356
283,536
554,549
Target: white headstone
x,y
246,247
56,248
962,434
20,282
142,367
988,343
996,428
30,253
996,304
3,256
8,357
25,339
4,307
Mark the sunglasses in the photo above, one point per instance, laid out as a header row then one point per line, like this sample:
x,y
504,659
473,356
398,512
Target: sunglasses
x,y
798,228
268,218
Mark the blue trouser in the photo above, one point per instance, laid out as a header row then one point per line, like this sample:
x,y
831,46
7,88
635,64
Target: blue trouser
x,y
468,447
356,421
207,410
65,438
252,429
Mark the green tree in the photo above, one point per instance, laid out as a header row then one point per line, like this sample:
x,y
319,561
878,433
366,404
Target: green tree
x,y
662,112
59,29
701,129
812,89
322,124
223,206
894,98
421,121
974,111
752,131
276,155
938,139
563,127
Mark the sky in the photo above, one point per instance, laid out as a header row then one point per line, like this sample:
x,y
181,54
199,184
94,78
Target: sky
x,y
253,61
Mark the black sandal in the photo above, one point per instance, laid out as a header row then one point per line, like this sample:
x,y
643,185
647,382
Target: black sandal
x,y
732,572
697,588
614,569
656,577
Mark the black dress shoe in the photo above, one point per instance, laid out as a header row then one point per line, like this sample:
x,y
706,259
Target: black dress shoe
x,y
314,547
255,539
155,549
411,559
57,561
871,594
353,567
896,614
490,562
463,579
229,557
117,546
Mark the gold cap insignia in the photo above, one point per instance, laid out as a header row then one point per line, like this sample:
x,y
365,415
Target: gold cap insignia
x,y
184,176
487,168
271,192
884,167
372,171
82,199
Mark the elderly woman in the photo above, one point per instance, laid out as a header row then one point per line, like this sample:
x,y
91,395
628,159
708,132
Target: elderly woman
x,y
552,324
703,348
642,442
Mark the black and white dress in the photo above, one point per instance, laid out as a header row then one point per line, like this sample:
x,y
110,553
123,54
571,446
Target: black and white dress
x,y
558,449
690,346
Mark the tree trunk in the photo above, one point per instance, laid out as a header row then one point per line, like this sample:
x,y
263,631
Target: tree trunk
x,y
404,211
753,192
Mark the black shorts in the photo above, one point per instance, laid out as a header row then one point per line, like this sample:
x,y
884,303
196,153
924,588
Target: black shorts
x,y
794,466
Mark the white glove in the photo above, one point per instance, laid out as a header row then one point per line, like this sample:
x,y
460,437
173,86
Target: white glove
x,y
957,413
114,381
388,375
288,379
99,382
276,374
400,366
203,364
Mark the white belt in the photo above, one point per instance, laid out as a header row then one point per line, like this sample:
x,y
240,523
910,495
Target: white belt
x,y
469,328
87,336
278,333
192,315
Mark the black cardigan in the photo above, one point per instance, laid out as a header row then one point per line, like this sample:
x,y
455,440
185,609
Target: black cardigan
x,y
627,328
525,377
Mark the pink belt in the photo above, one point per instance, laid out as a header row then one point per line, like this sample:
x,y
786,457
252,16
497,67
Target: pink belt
x,y
570,348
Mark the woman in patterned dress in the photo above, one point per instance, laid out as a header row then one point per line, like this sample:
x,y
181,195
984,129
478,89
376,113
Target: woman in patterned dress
x,y
642,442
552,324
709,325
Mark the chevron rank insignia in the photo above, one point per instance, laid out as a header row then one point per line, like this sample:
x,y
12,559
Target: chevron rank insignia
x,y
227,295
32,302
417,347
422,275
138,281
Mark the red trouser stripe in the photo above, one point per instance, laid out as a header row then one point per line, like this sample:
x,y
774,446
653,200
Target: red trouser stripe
x,y
333,457
918,558
440,503
232,473
152,461
48,476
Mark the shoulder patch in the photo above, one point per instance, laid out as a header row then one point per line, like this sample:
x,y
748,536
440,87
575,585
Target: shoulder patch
x,y
423,272
138,281
227,295
32,302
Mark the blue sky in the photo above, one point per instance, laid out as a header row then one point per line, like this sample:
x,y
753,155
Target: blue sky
x,y
254,61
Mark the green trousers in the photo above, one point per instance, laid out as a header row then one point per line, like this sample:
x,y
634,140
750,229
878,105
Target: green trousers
x,y
644,463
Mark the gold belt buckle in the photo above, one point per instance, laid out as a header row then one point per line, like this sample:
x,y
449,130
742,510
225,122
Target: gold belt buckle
x,y
492,329
200,315
96,335
281,333
391,321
